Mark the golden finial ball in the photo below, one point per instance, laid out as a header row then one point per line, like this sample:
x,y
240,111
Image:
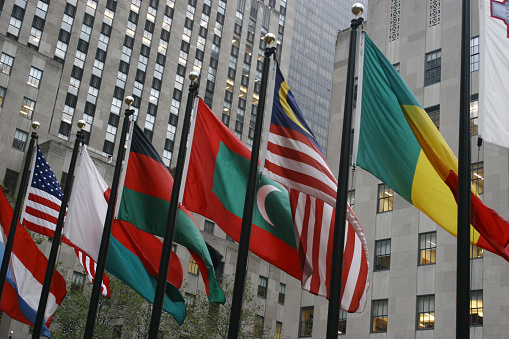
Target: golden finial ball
x,y
81,124
357,9
269,38
129,100
36,124
193,76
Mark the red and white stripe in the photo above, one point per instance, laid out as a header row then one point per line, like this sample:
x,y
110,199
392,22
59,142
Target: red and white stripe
x,y
294,160
314,229
41,212
90,266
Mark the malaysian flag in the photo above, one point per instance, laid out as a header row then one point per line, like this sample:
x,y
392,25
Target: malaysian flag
x,y
42,206
294,158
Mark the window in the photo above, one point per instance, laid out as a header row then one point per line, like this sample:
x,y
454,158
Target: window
x,y
262,287
10,180
64,130
35,77
476,252
193,266
474,114
27,108
350,198
78,281
258,325
434,114
108,147
385,198
189,298
379,315
2,95
20,140
427,248
425,312
382,255
306,321
282,293
477,176
278,333
432,68
6,62
476,311
342,322
474,54
209,227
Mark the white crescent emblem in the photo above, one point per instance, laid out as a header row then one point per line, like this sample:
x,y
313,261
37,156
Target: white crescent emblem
x,y
261,196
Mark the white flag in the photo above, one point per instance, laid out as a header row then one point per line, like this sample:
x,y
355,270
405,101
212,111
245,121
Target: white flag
x,y
494,71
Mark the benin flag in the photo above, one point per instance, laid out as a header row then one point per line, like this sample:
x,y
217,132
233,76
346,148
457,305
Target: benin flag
x,y
216,188
146,201
400,145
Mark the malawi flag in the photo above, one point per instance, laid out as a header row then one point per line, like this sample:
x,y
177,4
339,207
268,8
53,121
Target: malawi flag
x,y
216,188
400,145
145,204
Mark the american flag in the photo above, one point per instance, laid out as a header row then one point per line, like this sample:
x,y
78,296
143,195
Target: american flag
x,y
294,158
42,206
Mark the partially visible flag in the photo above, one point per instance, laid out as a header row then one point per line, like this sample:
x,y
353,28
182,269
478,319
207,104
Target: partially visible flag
x,y
494,71
90,266
145,203
25,277
313,220
133,255
295,159
400,145
42,206
43,200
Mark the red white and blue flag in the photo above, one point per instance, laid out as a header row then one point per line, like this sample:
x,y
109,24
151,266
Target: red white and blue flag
x,y
295,159
25,276
42,206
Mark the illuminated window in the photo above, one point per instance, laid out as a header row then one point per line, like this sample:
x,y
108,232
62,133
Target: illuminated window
x,y
385,198
258,325
379,315
262,287
78,281
476,311
27,108
6,62
477,176
193,266
342,322
382,255
282,293
425,312
474,114
306,321
279,330
2,96
476,252
427,248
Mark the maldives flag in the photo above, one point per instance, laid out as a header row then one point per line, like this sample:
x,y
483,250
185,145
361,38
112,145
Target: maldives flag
x,y
145,203
216,188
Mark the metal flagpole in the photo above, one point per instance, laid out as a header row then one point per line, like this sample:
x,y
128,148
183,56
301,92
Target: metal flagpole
x,y
247,216
19,201
341,199
41,310
464,186
105,240
162,276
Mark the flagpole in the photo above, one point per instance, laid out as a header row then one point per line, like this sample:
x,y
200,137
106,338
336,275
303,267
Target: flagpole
x,y
39,319
105,240
19,201
162,276
464,185
341,199
247,217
